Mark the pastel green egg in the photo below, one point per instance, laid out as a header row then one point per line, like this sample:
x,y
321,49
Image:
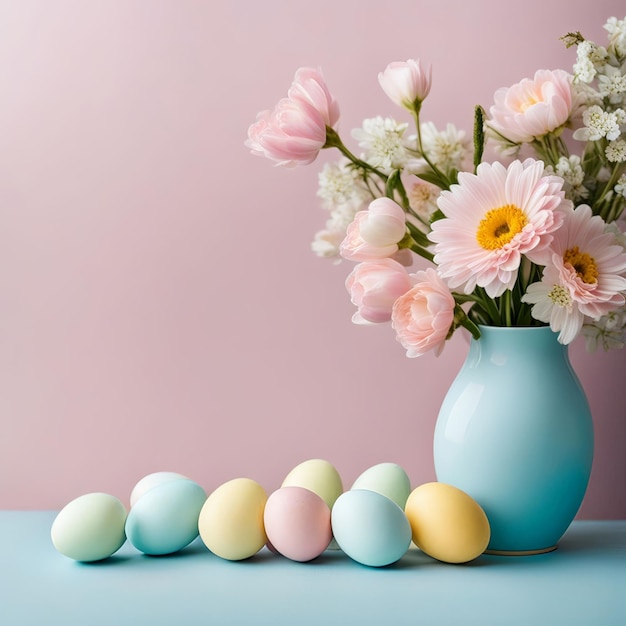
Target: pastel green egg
x,y
388,479
90,527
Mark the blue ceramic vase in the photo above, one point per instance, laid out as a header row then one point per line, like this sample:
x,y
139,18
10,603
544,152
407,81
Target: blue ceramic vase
x,y
515,432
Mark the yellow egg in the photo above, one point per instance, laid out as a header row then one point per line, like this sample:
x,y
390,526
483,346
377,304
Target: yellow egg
x,y
447,523
231,521
318,476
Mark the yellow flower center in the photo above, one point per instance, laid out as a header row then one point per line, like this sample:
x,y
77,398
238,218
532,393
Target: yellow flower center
x,y
499,226
583,264
530,101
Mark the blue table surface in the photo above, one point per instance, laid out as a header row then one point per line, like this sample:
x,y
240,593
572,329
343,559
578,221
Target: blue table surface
x,y
583,582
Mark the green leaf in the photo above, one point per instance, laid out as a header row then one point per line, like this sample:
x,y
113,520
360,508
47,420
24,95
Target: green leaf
x,y
437,215
431,177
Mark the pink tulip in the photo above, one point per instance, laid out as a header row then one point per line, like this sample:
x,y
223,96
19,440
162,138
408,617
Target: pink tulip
x,y
375,233
292,134
423,316
309,86
533,107
374,286
406,83
295,131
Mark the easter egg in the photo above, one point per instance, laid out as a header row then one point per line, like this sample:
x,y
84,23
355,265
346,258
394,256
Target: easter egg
x,y
231,520
90,527
319,476
447,523
297,523
370,528
152,480
165,518
388,479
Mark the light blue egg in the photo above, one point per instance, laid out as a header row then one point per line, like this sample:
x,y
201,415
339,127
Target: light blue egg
x,y
370,528
165,519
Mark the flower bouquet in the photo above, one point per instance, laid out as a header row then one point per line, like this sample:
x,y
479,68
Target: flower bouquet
x,y
520,249
530,239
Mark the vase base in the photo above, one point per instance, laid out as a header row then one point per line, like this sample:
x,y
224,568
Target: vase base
x,y
521,552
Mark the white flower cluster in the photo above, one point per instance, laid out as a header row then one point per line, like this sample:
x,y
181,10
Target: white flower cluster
x,y
571,171
343,193
609,332
600,82
385,147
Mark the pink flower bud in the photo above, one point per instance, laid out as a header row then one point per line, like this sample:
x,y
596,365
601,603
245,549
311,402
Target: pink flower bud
x,y
292,134
374,286
406,83
375,233
295,131
309,86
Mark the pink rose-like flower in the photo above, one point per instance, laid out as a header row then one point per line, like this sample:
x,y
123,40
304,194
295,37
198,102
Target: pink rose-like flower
x,y
533,107
406,82
309,86
292,134
422,317
375,233
374,286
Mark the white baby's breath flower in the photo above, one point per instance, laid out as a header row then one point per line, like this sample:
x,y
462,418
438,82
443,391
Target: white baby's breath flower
x,y
327,241
326,244
571,171
616,151
340,185
422,197
620,187
609,331
447,149
617,35
599,123
381,138
589,57
612,84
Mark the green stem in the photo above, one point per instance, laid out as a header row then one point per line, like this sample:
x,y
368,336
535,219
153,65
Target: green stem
x,y
334,141
444,181
613,178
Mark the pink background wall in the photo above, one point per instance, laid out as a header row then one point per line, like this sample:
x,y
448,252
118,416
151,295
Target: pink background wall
x,y
160,308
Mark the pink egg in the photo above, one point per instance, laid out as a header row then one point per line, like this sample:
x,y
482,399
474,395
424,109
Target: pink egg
x,y
297,523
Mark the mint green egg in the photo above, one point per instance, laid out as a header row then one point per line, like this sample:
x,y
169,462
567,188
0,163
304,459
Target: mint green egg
x,y
388,479
90,527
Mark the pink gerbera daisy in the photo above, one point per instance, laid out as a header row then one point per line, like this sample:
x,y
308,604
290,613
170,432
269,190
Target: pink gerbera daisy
x,y
584,278
492,218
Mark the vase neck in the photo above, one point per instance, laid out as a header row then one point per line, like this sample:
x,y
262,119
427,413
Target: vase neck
x,y
536,340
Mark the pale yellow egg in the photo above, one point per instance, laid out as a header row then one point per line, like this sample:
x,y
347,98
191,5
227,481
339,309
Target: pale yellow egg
x,y
231,521
447,523
318,476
